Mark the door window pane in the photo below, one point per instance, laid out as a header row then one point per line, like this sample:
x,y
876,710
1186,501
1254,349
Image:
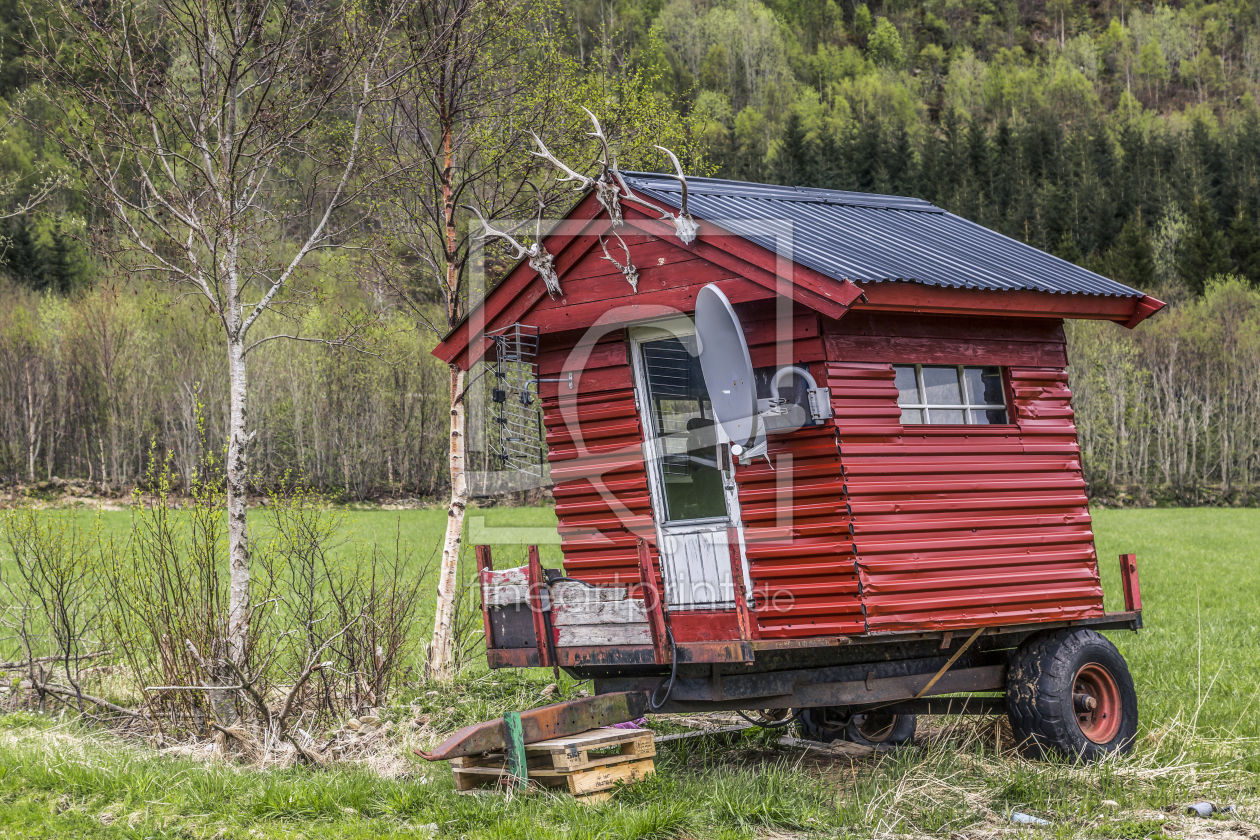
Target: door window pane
x,y
683,430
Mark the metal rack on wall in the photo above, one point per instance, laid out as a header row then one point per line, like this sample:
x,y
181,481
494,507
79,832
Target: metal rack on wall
x,y
516,441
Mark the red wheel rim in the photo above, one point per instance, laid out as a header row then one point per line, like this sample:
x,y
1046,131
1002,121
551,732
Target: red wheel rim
x,y
1101,723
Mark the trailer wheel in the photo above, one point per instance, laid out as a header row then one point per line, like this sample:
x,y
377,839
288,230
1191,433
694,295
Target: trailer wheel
x,y
835,723
1070,692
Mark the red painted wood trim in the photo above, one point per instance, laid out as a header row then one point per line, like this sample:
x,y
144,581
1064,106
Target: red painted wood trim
x,y
485,563
641,307
1146,307
747,625
537,586
652,603
897,349
1129,581
704,626
917,297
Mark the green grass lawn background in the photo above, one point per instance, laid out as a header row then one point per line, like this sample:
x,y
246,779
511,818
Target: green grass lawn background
x,y
1199,652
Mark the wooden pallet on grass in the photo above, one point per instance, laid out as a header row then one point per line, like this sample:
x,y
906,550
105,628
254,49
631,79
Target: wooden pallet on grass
x,y
572,763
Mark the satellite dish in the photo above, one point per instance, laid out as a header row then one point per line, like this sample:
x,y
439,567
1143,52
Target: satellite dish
x,y
727,367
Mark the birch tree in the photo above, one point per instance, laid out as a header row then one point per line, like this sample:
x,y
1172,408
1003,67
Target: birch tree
x,y
460,126
226,141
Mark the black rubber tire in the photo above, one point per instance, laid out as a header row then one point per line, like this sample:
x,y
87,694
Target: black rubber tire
x,y
882,731
1039,684
835,724
814,724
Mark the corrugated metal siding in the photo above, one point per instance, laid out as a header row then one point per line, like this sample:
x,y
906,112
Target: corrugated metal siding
x,y
796,532
594,446
956,527
873,238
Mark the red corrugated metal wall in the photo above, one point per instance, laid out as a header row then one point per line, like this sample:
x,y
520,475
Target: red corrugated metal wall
x,y
797,537
594,446
965,526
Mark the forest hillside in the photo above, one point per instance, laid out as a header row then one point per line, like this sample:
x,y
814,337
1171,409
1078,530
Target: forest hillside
x,y
1123,136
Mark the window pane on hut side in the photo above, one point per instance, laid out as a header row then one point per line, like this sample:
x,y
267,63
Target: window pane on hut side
x,y
682,421
940,386
907,387
984,385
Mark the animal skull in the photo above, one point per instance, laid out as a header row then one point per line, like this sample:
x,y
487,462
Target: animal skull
x,y
539,259
628,270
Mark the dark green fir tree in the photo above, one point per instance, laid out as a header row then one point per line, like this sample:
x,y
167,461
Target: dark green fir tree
x,y
1244,246
1131,260
1202,254
21,255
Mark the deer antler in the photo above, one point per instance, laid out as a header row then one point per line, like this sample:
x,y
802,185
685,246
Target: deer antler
x,y
684,225
598,134
539,259
488,232
583,181
628,270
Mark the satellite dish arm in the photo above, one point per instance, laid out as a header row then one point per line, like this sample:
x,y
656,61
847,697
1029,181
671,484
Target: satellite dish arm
x,y
783,373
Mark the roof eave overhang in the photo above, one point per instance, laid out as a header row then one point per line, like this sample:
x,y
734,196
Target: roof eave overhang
x,y
1016,303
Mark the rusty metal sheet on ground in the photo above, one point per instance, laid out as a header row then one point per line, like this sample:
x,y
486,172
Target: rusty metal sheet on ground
x,y
543,723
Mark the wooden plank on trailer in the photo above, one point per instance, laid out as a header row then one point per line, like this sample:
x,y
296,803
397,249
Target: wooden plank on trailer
x,y
629,611
506,577
612,634
503,596
569,593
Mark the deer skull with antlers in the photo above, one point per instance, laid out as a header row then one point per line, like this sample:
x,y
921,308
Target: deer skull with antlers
x,y
628,270
685,226
605,186
539,259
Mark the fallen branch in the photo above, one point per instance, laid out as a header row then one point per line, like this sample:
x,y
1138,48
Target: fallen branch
x,y
96,701
193,687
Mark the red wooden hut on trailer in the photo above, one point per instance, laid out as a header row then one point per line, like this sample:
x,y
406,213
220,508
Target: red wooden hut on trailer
x,y
898,514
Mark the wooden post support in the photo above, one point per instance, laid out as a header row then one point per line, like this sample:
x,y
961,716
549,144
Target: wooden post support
x,y
652,605
539,603
514,749
485,563
1129,582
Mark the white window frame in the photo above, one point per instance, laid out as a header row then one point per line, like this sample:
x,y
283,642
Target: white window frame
x,y
966,407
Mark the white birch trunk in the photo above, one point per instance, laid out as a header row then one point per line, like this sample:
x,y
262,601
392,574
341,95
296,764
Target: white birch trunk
x,y
441,663
236,473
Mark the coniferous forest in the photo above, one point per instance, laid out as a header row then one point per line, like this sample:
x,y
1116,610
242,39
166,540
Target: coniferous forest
x,y
1122,136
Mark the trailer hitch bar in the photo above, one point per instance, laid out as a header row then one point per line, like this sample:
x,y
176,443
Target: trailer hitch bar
x,y
543,723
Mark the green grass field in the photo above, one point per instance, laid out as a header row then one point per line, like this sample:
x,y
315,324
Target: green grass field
x,y
1196,665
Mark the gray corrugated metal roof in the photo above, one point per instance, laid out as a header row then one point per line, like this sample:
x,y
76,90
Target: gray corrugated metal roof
x,y
873,238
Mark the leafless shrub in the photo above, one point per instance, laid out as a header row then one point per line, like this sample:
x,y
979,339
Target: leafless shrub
x,y
359,610
51,580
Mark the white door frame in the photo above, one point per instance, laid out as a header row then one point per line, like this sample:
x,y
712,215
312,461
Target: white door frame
x,y
639,335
